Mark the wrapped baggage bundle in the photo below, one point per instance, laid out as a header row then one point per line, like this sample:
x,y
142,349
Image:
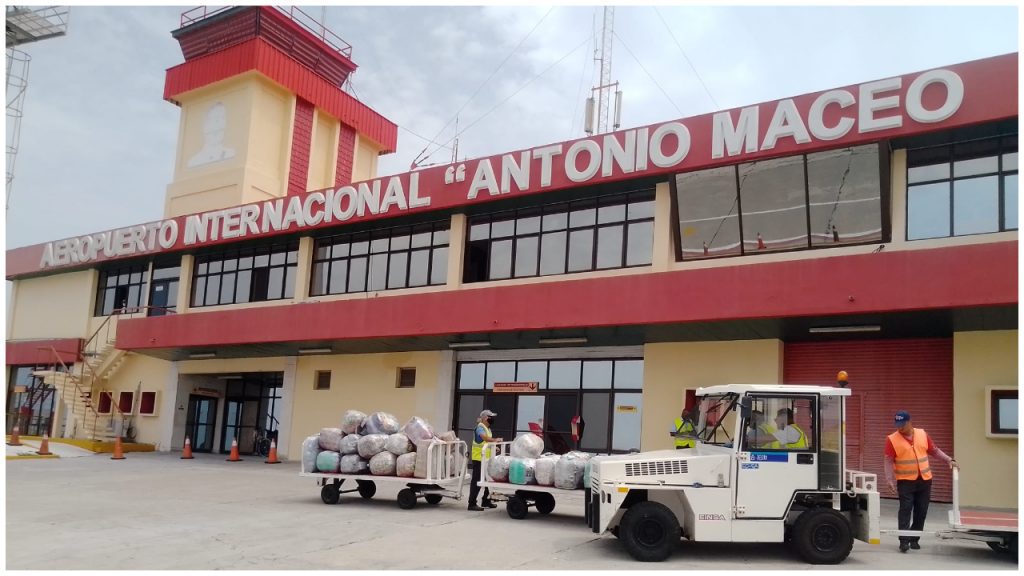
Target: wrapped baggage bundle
x,y
423,453
399,444
569,470
522,471
310,450
527,445
544,469
498,468
380,423
418,429
383,464
330,439
371,445
352,421
328,461
350,444
586,470
405,465
449,436
353,464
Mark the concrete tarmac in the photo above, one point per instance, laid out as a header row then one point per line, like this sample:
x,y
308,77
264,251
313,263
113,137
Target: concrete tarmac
x,y
156,511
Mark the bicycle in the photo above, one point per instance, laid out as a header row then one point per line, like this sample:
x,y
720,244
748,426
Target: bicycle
x,y
262,440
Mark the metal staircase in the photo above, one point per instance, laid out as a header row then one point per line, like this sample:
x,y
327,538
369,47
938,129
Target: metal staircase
x,y
80,386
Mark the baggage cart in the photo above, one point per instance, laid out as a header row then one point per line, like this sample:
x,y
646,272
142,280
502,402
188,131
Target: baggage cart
x,y
445,478
520,497
997,528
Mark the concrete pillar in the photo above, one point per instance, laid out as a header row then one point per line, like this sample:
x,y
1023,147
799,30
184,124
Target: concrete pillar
x,y
169,408
303,269
664,248
287,405
456,250
184,284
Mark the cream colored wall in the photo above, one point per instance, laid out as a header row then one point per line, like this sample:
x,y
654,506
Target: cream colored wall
x,y
57,306
365,382
988,466
672,368
147,374
232,365
258,132
364,166
323,154
663,254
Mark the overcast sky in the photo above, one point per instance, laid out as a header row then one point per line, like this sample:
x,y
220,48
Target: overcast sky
x,y
98,141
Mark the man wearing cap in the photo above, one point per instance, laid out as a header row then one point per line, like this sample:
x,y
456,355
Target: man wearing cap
x,y
481,435
909,475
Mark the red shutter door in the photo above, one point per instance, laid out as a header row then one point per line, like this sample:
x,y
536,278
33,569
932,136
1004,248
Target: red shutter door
x,y
915,375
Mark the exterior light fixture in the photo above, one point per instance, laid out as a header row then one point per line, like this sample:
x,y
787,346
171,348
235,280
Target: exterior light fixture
x,y
315,350
577,340
845,329
458,345
201,355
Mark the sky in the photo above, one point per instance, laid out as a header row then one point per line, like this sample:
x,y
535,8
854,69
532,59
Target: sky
x,y
98,141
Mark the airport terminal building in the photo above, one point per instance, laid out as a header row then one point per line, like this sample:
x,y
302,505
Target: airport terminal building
x,y
870,228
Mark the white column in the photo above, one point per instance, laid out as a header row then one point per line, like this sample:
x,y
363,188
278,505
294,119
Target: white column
x,y
168,409
284,428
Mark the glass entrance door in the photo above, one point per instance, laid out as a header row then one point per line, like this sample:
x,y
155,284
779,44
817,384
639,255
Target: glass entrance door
x,y
202,414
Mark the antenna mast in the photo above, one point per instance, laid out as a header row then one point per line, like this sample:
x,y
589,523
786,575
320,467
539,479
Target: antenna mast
x,y
603,92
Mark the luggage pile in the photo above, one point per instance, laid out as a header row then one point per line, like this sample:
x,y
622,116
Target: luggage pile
x,y
379,445
527,464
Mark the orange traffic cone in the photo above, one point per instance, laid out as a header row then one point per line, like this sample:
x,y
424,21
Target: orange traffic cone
x,y
44,446
234,451
15,440
272,457
118,453
186,454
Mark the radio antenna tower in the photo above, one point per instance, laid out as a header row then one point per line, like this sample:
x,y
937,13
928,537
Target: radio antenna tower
x,y
603,92
25,24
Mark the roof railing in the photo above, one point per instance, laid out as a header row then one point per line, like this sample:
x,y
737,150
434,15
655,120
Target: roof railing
x,y
295,14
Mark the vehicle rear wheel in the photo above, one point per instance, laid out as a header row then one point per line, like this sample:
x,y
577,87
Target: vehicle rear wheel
x,y
329,494
1001,547
545,503
406,499
822,536
650,531
366,488
433,498
516,507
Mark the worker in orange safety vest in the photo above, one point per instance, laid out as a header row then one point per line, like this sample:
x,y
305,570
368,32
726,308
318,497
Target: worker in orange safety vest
x,y
910,475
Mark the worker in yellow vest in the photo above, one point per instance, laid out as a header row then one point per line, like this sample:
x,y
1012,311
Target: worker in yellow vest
x,y
481,435
787,434
761,433
910,476
683,430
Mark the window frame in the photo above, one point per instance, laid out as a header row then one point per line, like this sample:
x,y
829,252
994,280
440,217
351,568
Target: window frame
x,y
992,396
566,208
317,379
155,395
377,234
142,285
1002,148
235,256
884,192
400,376
812,437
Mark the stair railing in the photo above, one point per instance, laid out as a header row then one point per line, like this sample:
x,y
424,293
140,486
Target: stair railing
x,y
92,414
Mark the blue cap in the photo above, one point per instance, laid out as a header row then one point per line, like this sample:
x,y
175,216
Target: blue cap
x,y
902,417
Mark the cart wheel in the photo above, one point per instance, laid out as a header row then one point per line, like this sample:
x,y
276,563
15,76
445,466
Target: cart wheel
x,y
432,498
822,536
1001,547
406,499
329,494
516,507
366,488
650,531
545,503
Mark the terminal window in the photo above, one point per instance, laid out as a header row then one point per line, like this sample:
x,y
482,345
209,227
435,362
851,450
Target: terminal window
x,y
120,289
252,274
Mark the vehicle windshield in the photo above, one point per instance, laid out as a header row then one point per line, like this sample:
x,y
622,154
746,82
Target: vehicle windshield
x,y
713,421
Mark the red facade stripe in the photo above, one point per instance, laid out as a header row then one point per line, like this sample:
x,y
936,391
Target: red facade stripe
x,y
302,141
43,352
260,56
346,156
963,276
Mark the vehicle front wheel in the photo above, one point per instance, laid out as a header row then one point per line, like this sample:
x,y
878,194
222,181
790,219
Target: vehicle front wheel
x,y
516,507
366,488
433,498
650,531
406,499
822,536
545,503
329,494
